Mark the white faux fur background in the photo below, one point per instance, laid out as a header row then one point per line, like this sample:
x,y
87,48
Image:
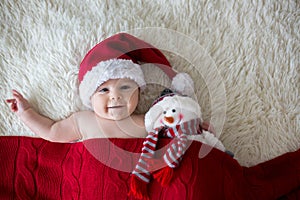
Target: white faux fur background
x,y
254,45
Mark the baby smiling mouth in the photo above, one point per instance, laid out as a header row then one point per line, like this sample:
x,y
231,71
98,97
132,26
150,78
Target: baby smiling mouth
x,y
120,106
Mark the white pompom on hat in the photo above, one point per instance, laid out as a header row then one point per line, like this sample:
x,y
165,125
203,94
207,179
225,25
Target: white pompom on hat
x,y
183,84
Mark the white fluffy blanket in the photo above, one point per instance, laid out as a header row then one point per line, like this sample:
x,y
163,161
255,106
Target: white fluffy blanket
x,y
243,56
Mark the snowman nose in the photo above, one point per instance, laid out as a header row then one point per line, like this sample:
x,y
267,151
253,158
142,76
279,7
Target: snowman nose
x,y
169,119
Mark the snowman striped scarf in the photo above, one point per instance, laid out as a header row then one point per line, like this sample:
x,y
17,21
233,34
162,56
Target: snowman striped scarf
x,y
174,152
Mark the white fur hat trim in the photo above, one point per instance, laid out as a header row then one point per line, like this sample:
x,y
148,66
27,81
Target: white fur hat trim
x,y
105,70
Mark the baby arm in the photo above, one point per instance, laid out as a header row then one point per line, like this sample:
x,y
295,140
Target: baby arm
x,y
56,131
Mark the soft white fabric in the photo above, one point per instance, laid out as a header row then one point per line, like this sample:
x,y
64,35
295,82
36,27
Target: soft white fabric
x,y
105,70
209,139
253,82
183,84
184,105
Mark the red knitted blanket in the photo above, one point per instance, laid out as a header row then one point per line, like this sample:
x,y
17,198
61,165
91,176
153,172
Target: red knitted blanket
x,y
32,168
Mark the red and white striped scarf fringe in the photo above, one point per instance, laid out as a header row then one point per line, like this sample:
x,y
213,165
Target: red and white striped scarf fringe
x,y
175,151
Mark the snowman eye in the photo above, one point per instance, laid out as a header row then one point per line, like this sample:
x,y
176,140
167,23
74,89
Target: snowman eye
x,y
173,110
165,112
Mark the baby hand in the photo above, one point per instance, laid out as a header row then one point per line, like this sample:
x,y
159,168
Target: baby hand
x,y
18,104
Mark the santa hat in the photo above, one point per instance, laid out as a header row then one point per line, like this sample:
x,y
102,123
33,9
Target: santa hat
x,y
182,84
119,56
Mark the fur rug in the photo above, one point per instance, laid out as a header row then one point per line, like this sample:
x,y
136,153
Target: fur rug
x,y
242,55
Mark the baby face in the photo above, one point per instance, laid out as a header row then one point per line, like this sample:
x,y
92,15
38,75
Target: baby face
x,y
116,99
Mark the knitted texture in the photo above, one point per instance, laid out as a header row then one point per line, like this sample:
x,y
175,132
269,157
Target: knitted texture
x,y
33,168
174,152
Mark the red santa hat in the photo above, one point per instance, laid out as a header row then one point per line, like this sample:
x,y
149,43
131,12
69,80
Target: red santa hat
x,y
182,84
119,56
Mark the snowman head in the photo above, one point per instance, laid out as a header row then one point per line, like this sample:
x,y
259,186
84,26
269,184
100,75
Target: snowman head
x,y
172,110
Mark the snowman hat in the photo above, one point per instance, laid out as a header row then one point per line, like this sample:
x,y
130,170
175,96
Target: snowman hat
x,y
178,97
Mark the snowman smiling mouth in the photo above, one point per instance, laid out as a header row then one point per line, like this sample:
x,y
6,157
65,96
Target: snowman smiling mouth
x,y
170,120
171,117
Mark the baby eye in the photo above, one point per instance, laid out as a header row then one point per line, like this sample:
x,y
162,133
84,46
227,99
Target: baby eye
x,y
103,90
125,87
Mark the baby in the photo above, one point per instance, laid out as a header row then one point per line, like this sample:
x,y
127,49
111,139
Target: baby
x,y
113,104
109,83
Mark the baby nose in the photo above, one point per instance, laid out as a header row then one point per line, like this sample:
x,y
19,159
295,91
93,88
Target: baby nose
x,y
116,96
170,120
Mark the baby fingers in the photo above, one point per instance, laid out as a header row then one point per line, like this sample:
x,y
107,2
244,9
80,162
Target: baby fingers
x,y
10,101
17,95
13,105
